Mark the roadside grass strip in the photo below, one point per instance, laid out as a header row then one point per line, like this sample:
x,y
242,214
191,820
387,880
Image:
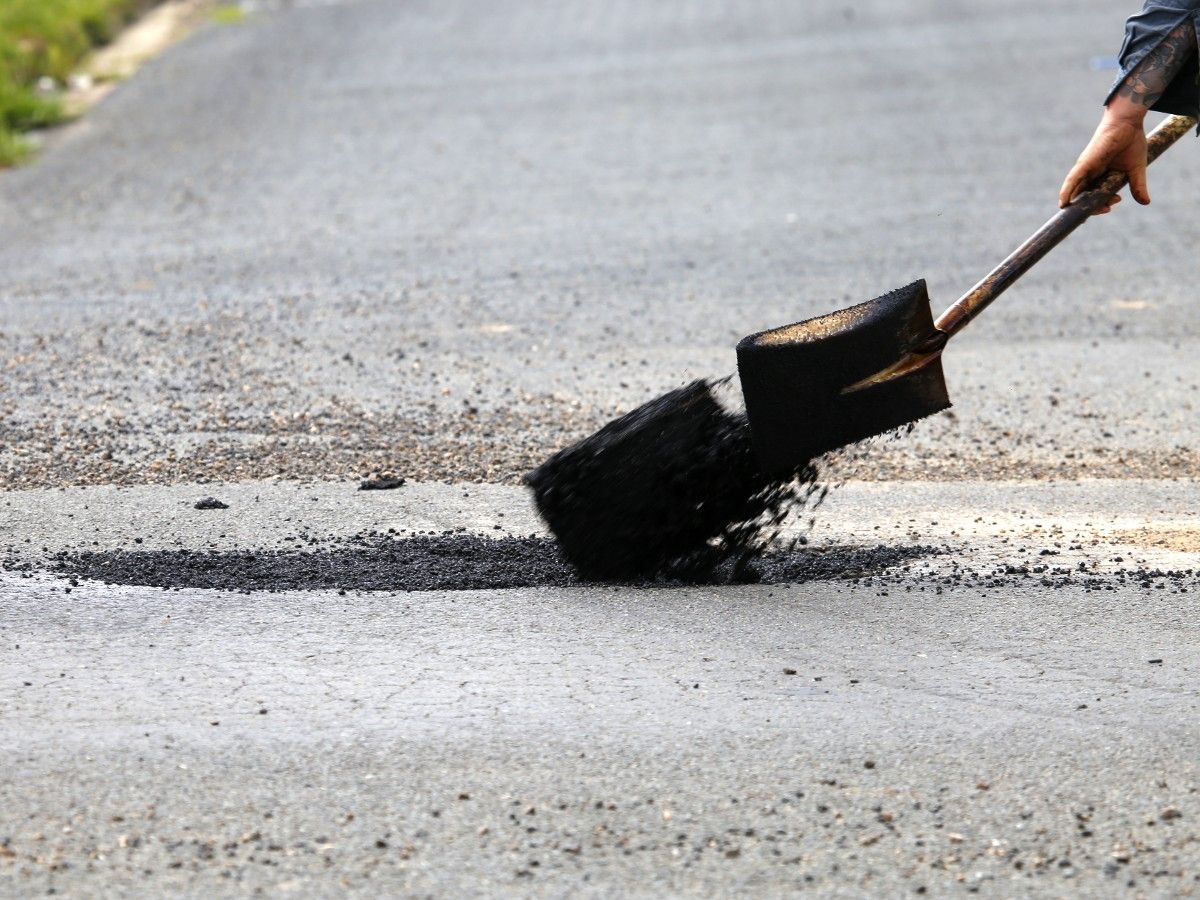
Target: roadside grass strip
x,y
41,44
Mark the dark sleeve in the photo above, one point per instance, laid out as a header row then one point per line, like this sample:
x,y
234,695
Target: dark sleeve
x,y
1144,32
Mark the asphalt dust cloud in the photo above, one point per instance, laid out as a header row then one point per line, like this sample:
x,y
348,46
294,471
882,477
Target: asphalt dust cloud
x,y
450,562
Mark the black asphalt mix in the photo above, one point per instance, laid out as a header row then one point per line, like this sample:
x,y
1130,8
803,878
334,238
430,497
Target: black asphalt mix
x,y
449,562
465,562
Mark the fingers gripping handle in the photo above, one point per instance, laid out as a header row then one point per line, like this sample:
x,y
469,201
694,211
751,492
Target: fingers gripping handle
x,y
1053,233
1157,142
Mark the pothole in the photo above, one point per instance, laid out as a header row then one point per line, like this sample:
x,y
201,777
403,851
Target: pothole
x,y
452,562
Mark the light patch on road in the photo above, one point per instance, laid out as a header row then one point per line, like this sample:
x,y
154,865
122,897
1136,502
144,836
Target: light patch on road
x,y
1180,538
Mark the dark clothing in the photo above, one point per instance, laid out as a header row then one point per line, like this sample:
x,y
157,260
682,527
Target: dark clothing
x,y
1144,32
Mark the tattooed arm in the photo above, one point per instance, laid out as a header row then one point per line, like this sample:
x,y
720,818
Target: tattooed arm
x,y
1150,79
1120,139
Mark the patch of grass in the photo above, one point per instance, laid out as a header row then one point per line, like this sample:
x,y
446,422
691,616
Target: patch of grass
x,y
47,38
228,14
13,148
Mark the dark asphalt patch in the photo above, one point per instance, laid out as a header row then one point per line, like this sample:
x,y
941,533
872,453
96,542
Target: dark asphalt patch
x,y
451,562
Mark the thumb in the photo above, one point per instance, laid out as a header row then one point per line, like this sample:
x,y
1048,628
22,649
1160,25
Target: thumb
x,y
1070,187
1137,185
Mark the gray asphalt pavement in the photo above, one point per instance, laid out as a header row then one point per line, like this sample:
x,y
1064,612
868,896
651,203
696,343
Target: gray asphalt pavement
x,y
348,236
601,743
444,239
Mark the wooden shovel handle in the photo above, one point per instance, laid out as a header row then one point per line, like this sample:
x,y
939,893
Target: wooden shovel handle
x,y
1050,235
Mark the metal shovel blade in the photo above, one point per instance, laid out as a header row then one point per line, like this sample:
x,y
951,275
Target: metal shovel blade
x,y
810,387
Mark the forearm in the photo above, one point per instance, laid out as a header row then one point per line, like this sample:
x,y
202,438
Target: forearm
x,y
1160,42
1142,87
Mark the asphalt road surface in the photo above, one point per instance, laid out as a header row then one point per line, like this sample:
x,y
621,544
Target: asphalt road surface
x,y
441,240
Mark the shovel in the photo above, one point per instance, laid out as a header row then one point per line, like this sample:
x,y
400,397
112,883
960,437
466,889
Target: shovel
x,y
827,382
668,479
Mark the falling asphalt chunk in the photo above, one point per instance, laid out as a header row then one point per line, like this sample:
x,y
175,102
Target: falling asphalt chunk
x,y
381,484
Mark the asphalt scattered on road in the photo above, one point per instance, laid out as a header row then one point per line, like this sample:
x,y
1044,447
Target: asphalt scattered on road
x,y
279,536
451,562
470,563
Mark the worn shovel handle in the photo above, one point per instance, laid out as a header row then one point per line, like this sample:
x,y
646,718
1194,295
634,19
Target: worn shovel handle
x,y
1053,233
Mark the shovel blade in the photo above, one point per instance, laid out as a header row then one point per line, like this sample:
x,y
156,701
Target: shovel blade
x,y
794,379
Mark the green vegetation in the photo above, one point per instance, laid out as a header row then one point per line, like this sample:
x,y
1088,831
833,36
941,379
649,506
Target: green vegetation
x,y
228,15
40,38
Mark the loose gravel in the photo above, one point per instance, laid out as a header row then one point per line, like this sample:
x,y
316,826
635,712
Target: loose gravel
x,y
246,395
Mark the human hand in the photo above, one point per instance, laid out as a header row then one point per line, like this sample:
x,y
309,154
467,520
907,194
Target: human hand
x,y
1119,144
